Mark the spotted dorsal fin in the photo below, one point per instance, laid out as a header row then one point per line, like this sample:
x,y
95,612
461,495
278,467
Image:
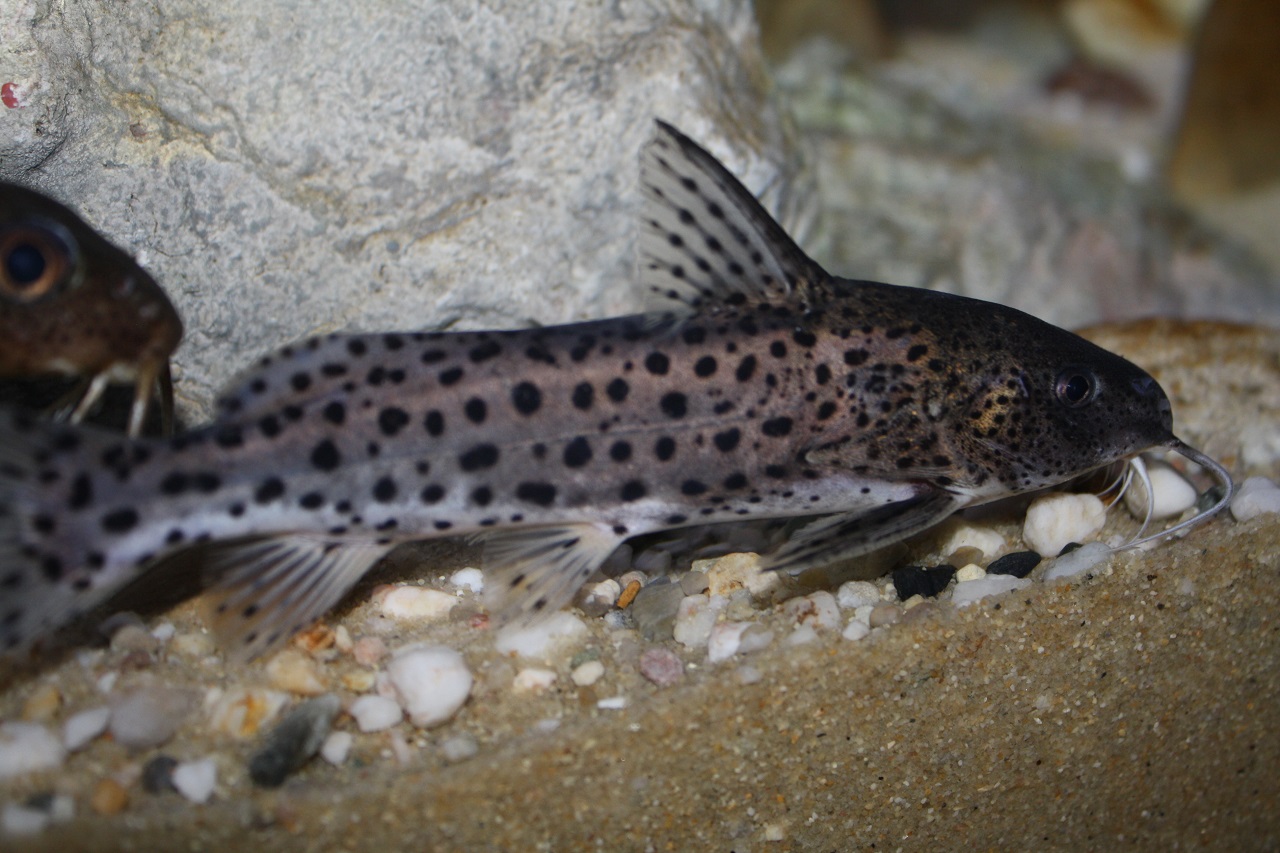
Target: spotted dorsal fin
x,y
704,239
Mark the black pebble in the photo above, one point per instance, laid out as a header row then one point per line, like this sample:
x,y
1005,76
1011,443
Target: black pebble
x,y
293,741
157,774
917,580
1019,564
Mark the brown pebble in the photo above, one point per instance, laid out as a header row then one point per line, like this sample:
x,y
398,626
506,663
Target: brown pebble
x,y
964,556
109,797
628,595
42,704
317,638
884,614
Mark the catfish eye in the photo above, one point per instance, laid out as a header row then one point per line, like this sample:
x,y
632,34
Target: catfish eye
x,y
33,261
1075,387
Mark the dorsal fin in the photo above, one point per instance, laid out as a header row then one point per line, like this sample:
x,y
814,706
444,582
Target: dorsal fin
x,y
704,239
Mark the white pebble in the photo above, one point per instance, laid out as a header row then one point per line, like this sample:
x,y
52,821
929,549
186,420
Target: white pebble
x,y
374,713
1173,494
336,747
588,673
469,578
725,639
164,632
748,674
739,571
433,682
695,618
755,638
294,671
613,703
855,630
242,711
856,594
19,820
416,603
149,716
971,572
960,534
1080,560
1057,519
556,632
1256,496
84,726
195,779
533,679
971,591
596,598
460,747
801,636
818,610
26,747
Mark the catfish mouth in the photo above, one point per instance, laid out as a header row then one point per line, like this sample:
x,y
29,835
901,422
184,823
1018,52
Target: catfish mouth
x,y
1215,468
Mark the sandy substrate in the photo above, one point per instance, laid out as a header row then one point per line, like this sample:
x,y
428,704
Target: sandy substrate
x,y
1133,707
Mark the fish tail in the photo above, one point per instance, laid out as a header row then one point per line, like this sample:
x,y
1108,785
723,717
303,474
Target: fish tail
x,y
45,581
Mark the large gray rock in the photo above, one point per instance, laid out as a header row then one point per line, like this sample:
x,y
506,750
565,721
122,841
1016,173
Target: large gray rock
x,y
285,170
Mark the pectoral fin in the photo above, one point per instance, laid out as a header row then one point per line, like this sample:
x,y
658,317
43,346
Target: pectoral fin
x,y
852,534
266,590
536,571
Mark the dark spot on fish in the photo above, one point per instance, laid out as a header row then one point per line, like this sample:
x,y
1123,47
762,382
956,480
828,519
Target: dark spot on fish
x,y
526,398
674,405
583,396
577,452
384,490
542,494
120,520
479,457
391,420
633,490
269,490
325,456
434,423
618,390
476,410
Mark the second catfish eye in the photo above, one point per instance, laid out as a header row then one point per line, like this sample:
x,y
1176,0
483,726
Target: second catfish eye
x,y
34,262
1076,386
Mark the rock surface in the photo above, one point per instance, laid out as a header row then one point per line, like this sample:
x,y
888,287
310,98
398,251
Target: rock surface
x,y
374,168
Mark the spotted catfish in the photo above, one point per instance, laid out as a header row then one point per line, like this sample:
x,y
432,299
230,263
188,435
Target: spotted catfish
x,y
71,303
761,388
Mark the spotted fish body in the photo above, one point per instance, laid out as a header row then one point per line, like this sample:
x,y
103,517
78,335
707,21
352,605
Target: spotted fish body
x,y
71,303
762,388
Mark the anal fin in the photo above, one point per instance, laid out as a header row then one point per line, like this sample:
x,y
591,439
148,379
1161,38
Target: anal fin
x,y
536,571
852,534
266,590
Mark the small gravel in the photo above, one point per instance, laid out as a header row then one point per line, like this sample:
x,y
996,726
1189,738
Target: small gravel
x,y
1173,494
918,580
1256,496
26,747
432,682
971,591
293,741
1077,561
1018,564
1056,519
195,780
375,713
81,728
150,716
